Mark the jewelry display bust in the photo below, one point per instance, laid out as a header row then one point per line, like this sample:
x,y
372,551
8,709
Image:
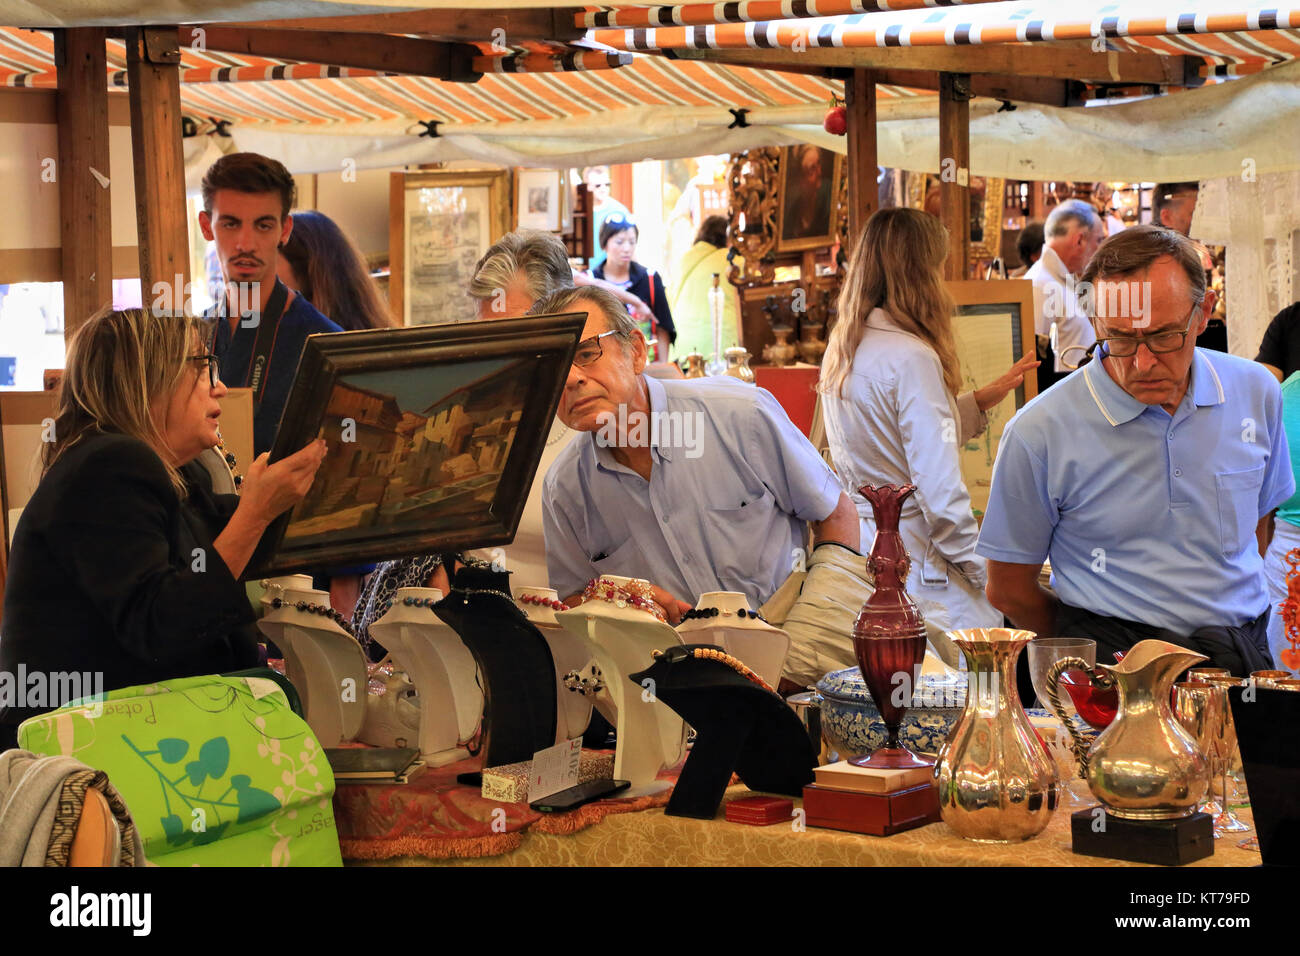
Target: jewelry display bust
x,y
442,669
322,660
621,639
571,658
739,631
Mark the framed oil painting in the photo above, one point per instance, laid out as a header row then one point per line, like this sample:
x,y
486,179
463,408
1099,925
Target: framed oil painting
x,y
440,224
808,186
994,327
985,209
434,434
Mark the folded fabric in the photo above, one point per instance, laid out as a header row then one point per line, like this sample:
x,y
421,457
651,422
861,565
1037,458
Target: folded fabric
x,y
40,804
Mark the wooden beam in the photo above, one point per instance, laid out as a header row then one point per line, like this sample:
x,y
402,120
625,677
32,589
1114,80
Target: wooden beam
x,y
954,169
153,76
1015,59
367,51
469,25
85,212
860,99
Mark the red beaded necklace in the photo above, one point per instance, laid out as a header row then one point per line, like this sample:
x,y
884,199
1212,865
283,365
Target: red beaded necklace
x,y
638,596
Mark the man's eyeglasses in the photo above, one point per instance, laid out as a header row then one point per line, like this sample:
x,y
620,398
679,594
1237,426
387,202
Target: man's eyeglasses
x,y
589,350
1126,346
214,370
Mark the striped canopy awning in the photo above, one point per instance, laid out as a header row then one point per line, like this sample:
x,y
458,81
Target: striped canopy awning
x,y
258,90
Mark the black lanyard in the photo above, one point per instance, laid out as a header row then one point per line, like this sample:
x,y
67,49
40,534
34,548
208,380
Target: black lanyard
x,y
257,373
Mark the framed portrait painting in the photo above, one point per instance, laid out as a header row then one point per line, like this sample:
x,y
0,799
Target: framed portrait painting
x,y
808,186
440,224
993,328
434,434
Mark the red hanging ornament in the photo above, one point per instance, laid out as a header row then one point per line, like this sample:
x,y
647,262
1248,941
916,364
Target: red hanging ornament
x,y
837,119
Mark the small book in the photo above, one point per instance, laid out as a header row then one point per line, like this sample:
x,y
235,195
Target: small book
x,y
372,764
844,776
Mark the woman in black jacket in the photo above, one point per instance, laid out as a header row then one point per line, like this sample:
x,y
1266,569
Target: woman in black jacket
x,y
618,237
125,565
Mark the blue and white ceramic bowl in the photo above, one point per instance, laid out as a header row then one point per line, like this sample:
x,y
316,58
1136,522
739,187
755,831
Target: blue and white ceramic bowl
x,y
852,726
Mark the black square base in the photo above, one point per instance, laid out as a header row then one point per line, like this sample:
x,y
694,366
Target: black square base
x,y
1163,842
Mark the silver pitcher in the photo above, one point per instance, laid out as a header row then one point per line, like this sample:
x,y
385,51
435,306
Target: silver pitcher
x,y
997,783
1144,766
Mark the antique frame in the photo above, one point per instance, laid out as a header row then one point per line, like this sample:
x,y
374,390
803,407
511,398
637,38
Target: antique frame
x,y
989,245
464,213
434,432
993,328
820,240
534,184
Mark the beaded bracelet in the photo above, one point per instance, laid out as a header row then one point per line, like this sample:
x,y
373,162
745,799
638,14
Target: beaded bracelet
x,y
328,612
709,612
713,654
539,601
639,598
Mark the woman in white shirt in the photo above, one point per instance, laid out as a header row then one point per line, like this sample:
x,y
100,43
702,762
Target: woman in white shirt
x,y
893,414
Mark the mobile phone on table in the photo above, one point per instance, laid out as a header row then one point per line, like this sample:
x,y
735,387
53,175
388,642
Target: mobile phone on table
x,y
575,797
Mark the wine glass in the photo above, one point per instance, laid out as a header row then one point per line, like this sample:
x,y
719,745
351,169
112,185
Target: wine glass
x,y
1043,653
1239,792
1197,706
1225,744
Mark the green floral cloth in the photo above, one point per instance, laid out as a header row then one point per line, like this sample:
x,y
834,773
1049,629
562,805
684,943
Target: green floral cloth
x,y
216,771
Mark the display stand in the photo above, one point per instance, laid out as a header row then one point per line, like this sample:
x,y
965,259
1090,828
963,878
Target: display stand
x,y
571,657
757,643
740,727
514,665
442,669
621,640
324,662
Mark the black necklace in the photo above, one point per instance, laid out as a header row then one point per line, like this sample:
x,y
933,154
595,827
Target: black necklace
x,y
704,613
323,611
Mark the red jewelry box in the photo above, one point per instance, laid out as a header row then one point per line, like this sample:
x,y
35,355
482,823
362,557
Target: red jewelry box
x,y
760,811
877,814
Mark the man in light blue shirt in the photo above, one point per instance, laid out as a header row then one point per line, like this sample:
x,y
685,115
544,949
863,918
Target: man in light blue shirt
x,y
700,485
1144,475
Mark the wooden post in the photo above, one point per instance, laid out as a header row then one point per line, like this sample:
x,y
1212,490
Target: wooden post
x,y
954,169
85,213
864,199
153,73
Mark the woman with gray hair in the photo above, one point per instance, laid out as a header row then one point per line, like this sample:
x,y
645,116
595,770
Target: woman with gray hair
x,y
125,563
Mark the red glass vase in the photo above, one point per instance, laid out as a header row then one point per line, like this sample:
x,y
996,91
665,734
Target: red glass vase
x,y
889,633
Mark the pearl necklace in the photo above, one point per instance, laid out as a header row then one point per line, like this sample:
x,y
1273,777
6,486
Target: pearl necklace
x,y
329,612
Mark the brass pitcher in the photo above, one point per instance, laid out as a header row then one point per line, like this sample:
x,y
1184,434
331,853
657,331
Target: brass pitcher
x,y
1144,766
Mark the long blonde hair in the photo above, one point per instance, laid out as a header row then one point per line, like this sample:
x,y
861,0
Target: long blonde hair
x,y
118,364
895,266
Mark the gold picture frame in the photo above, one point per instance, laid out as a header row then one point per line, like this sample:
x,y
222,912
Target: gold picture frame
x,y
808,205
993,327
439,225
986,193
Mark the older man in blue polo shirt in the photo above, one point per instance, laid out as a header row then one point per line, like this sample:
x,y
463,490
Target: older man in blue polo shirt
x,y
1145,475
700,485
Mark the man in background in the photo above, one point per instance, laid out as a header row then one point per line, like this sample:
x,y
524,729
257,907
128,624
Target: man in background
x,y
1073,230
262,324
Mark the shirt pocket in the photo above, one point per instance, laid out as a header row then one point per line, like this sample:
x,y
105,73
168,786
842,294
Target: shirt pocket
x,y
934,568
1238,507
624,560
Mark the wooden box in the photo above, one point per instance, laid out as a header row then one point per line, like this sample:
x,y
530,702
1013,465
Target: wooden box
x,y
877,814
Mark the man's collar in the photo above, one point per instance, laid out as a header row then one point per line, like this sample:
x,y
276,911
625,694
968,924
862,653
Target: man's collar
x,y
1053,264
1118,406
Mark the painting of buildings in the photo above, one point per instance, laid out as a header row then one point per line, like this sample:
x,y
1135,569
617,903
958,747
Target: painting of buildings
x,y
412,446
